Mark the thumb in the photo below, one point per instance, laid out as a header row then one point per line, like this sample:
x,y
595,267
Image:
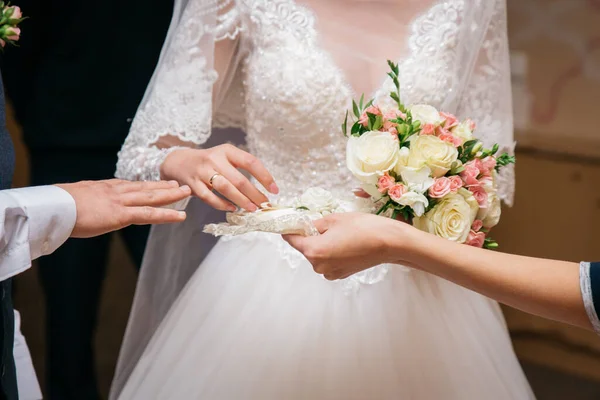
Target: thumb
x,y
296,241
322,224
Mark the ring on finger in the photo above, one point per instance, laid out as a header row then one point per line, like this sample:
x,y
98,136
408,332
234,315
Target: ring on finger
x,y
212,179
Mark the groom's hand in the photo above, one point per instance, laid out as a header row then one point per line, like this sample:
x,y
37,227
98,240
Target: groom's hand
x,y
350,243
105,206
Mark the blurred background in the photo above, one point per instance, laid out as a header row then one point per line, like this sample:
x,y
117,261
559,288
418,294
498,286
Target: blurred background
x,y
556,87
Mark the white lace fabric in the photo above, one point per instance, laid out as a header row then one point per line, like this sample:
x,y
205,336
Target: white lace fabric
x,y
282,73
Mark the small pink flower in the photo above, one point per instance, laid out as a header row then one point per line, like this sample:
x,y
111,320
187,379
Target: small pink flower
x,y
16,12
477,225
486,180
470,173
447,136
2,43
487,165
450,120
396,192
471,124
441,187
385,182
455,183
428,129
13,33
391,126
475,239
480,195
364,118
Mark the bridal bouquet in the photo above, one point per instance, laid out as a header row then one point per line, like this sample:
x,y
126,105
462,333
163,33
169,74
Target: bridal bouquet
x,y
427,167
10,18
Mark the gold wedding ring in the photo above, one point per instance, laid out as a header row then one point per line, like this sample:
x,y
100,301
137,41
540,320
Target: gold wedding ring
x,y
212,178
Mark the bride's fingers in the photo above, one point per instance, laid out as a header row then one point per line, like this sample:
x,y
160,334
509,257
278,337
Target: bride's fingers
x,y
240,159
200,190
222,185
242,184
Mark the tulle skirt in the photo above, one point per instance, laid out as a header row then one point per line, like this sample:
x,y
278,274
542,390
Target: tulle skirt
x,y
251,324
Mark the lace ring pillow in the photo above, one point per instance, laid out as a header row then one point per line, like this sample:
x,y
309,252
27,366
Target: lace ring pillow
x,y
297,218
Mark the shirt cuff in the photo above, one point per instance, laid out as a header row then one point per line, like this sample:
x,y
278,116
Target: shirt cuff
x,y
51,213
587,292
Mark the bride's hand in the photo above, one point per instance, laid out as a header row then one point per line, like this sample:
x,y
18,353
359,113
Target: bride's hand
x,y
196,168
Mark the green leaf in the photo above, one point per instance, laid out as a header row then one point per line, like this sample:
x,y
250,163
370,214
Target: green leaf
x,y
362,98
345,125
395,97
384,207
303,208
355,109
355,129
378,123
372,119
369,104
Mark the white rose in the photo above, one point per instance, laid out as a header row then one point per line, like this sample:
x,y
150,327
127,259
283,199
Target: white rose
x,y
450,219
463,131
433,152
417,180
416,201
372,154
494,210
317,200
425,114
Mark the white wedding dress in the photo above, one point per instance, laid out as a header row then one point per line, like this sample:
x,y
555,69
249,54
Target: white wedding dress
x,y
253,321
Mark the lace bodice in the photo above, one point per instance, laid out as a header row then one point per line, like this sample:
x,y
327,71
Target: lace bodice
x,y
290,97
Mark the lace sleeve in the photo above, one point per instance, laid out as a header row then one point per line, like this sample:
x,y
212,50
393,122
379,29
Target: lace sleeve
x,y
488,97
199,54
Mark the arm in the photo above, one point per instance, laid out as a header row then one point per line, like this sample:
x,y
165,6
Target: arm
x,y
35,221
547,288
200,58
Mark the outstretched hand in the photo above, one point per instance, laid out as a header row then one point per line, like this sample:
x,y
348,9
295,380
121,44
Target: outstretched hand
x,y
350,243
106,206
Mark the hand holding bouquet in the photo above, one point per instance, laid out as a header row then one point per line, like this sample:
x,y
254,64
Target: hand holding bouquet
x,y
427,167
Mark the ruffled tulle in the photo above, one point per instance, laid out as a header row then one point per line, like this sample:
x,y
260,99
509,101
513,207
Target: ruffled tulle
x,y
247,326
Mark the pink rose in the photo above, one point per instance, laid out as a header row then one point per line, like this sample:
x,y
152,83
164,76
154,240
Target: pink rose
x,y
470,174
364,118
450,120
16,12
471,124
455,183
385,182
428,129
475,239
477,225
391,126
487,165
447,136
13,33
480,195
396,192
441,187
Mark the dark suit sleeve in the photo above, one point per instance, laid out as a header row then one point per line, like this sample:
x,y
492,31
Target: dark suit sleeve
x,y
589,277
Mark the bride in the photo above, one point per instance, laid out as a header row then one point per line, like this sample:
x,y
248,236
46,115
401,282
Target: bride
x,y
252,320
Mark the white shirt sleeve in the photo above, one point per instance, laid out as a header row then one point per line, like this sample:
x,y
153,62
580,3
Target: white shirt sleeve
x,y
34,221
